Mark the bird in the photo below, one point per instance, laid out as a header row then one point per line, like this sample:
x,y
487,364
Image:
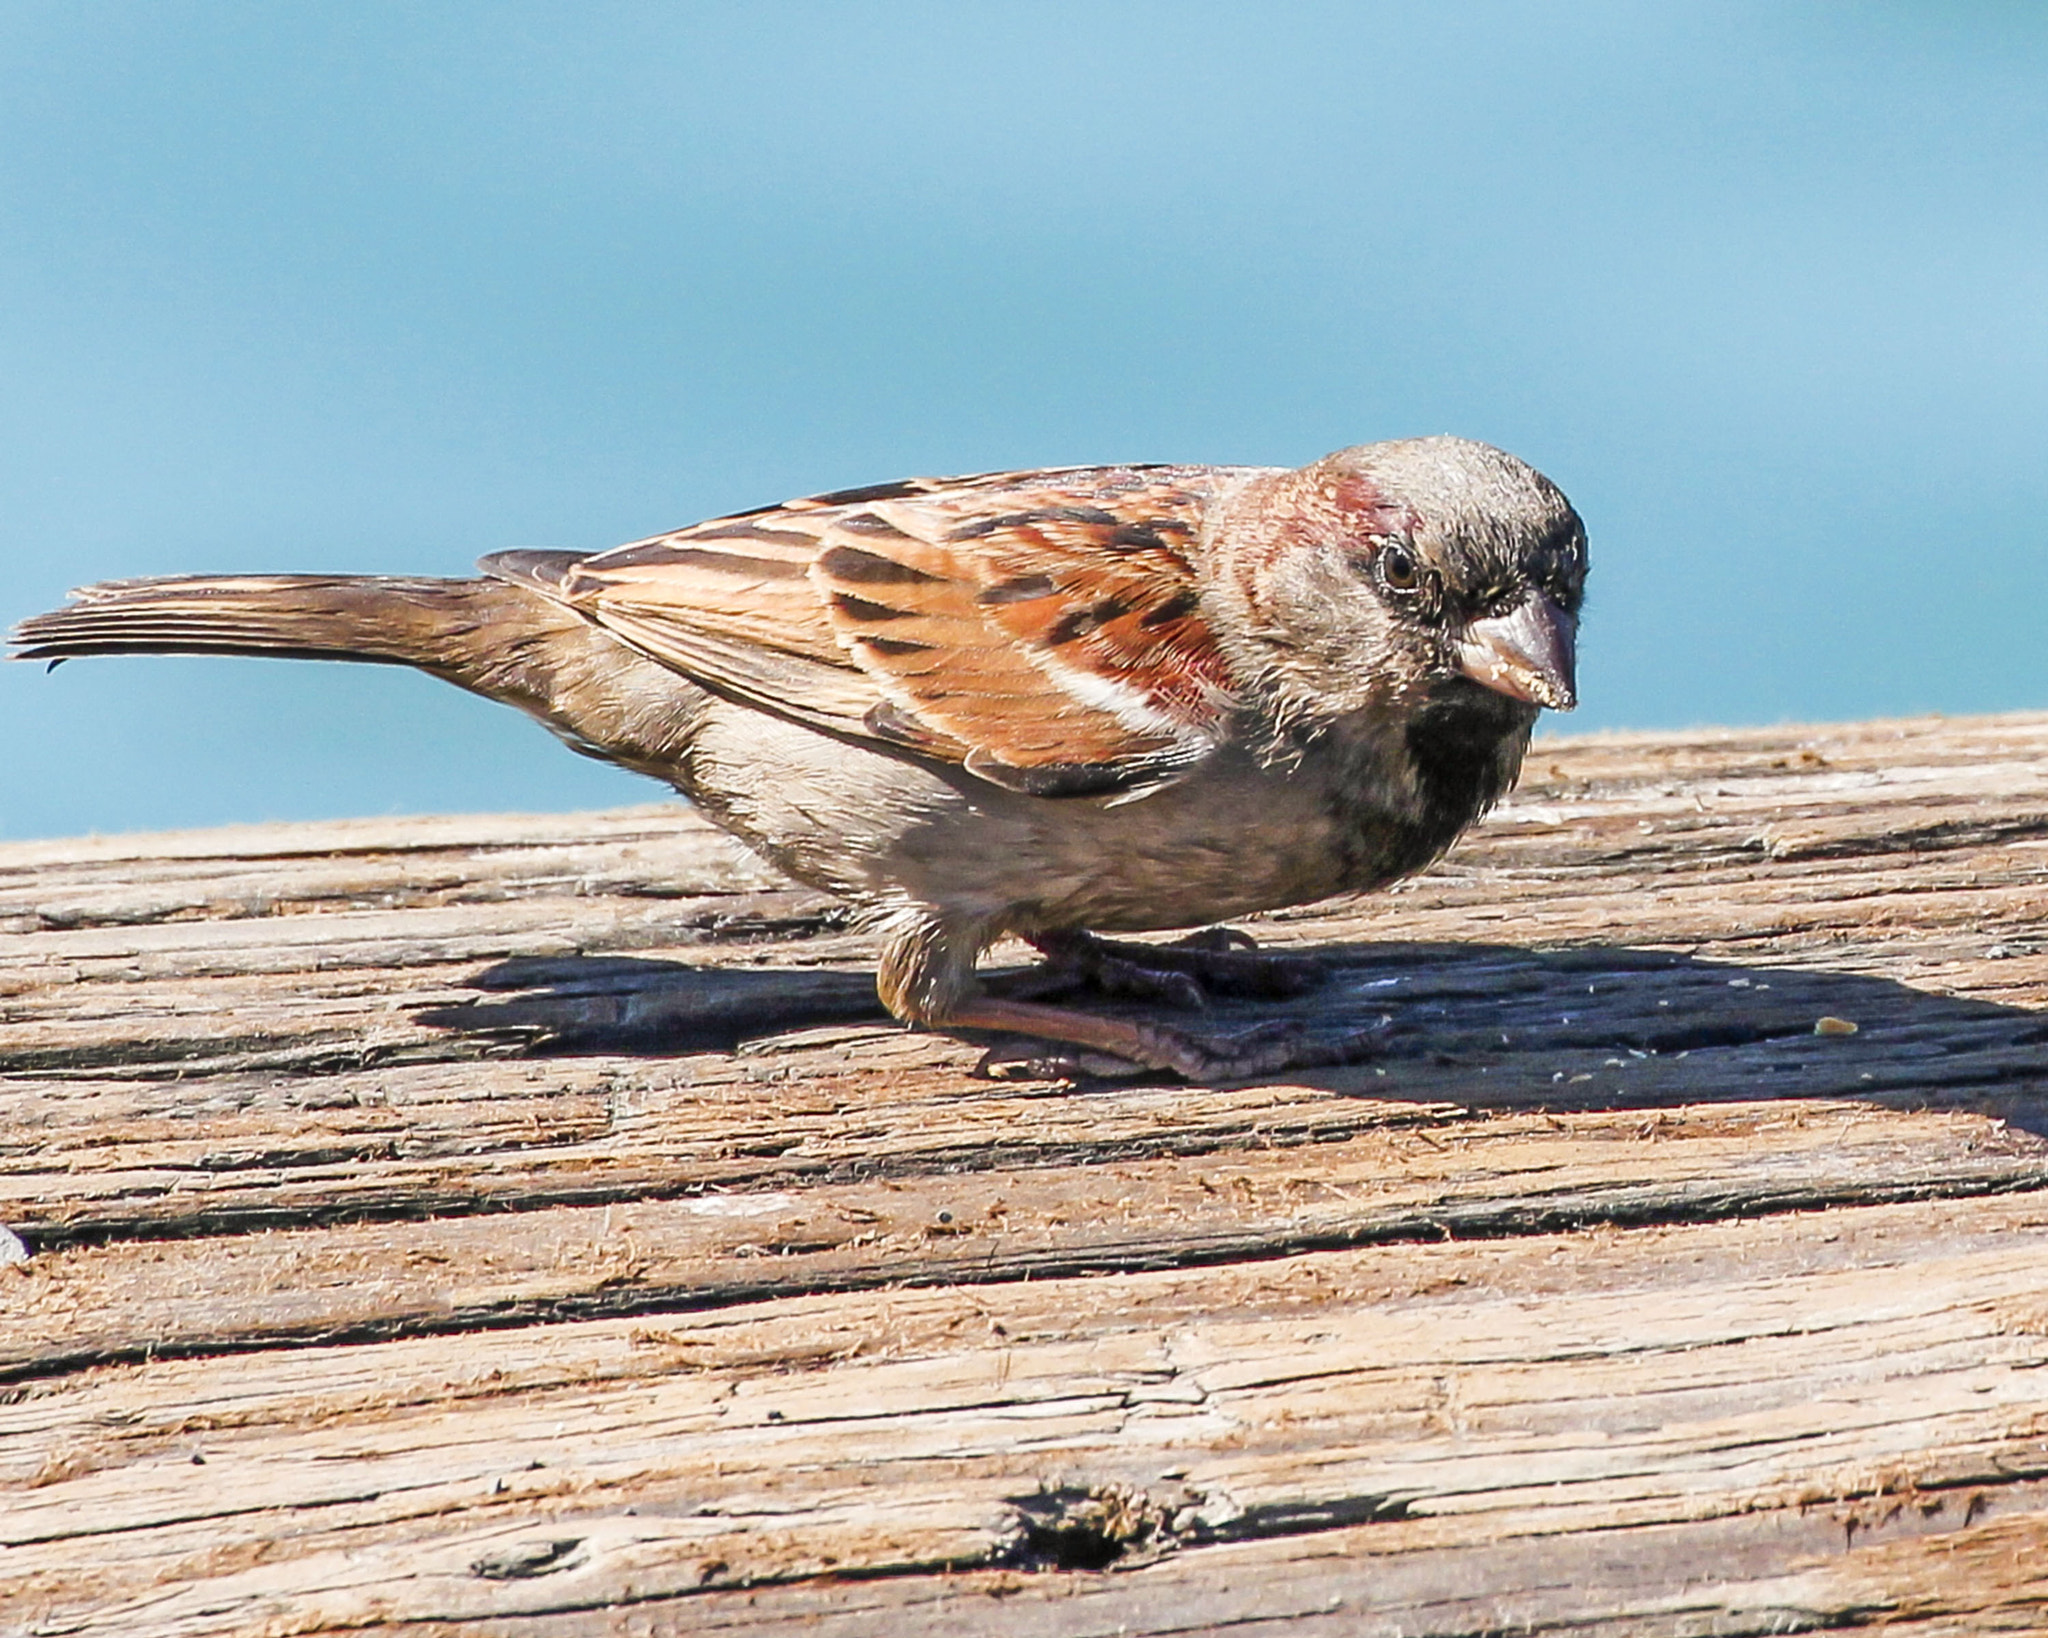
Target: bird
x,y
1052,704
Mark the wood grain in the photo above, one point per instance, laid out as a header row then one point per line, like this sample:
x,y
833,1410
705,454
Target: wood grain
x,y
530,1225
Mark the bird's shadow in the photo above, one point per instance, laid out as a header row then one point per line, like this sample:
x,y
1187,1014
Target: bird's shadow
x,y
1605,1026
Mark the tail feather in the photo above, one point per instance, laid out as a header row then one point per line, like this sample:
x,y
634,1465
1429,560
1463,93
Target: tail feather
x,y
375,618
506,641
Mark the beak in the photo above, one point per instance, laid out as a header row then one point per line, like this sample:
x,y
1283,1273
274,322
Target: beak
x,y
1526,654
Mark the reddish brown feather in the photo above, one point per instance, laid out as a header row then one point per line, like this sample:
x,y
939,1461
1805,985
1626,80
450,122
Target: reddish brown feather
x,y
1030,621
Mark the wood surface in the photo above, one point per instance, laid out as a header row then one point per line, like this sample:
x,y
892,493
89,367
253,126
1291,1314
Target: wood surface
x,y
529,1225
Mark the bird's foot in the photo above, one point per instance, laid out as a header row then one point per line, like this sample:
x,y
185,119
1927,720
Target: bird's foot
x,y
1185,973
1113,1047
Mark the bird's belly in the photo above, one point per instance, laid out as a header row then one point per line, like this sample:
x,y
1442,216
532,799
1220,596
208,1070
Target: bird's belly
x,y
1201,852
1234,838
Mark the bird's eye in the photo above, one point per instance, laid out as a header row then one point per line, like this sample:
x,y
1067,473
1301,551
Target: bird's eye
x,y
1398,568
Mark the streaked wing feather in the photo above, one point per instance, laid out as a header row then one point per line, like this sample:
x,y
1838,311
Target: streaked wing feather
x,y
728,603
1041,628
1107,677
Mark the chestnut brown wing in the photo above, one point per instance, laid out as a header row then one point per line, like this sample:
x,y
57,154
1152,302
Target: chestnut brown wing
x,y
1042,629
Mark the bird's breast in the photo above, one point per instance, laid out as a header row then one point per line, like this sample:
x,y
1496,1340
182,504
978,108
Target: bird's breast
x,y
1247,831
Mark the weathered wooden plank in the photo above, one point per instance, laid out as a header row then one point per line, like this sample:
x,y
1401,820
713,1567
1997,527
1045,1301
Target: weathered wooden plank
x,y
100,1160
1859,1565
466,1085
1875,1562
1447,1398
1449,1178
146,855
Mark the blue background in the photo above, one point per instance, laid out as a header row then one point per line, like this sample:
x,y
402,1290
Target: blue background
x,y
382,287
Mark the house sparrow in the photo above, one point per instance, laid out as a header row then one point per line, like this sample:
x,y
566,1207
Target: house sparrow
x,y
1112,698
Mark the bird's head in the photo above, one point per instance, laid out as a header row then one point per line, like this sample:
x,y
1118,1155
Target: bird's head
x,y
1394,575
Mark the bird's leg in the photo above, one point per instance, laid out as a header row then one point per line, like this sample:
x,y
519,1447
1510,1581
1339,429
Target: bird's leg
x,y
1215,961
927,977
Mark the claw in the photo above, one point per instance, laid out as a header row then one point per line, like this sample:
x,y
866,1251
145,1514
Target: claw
x,y
1265,1049
1116,976
1216,960
1027,1060
1269,1049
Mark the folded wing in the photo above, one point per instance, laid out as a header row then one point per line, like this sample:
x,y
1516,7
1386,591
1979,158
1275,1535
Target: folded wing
x,y
1041,629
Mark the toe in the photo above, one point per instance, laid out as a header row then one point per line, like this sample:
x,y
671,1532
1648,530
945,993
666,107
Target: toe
x,y
1216,938
1142,983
